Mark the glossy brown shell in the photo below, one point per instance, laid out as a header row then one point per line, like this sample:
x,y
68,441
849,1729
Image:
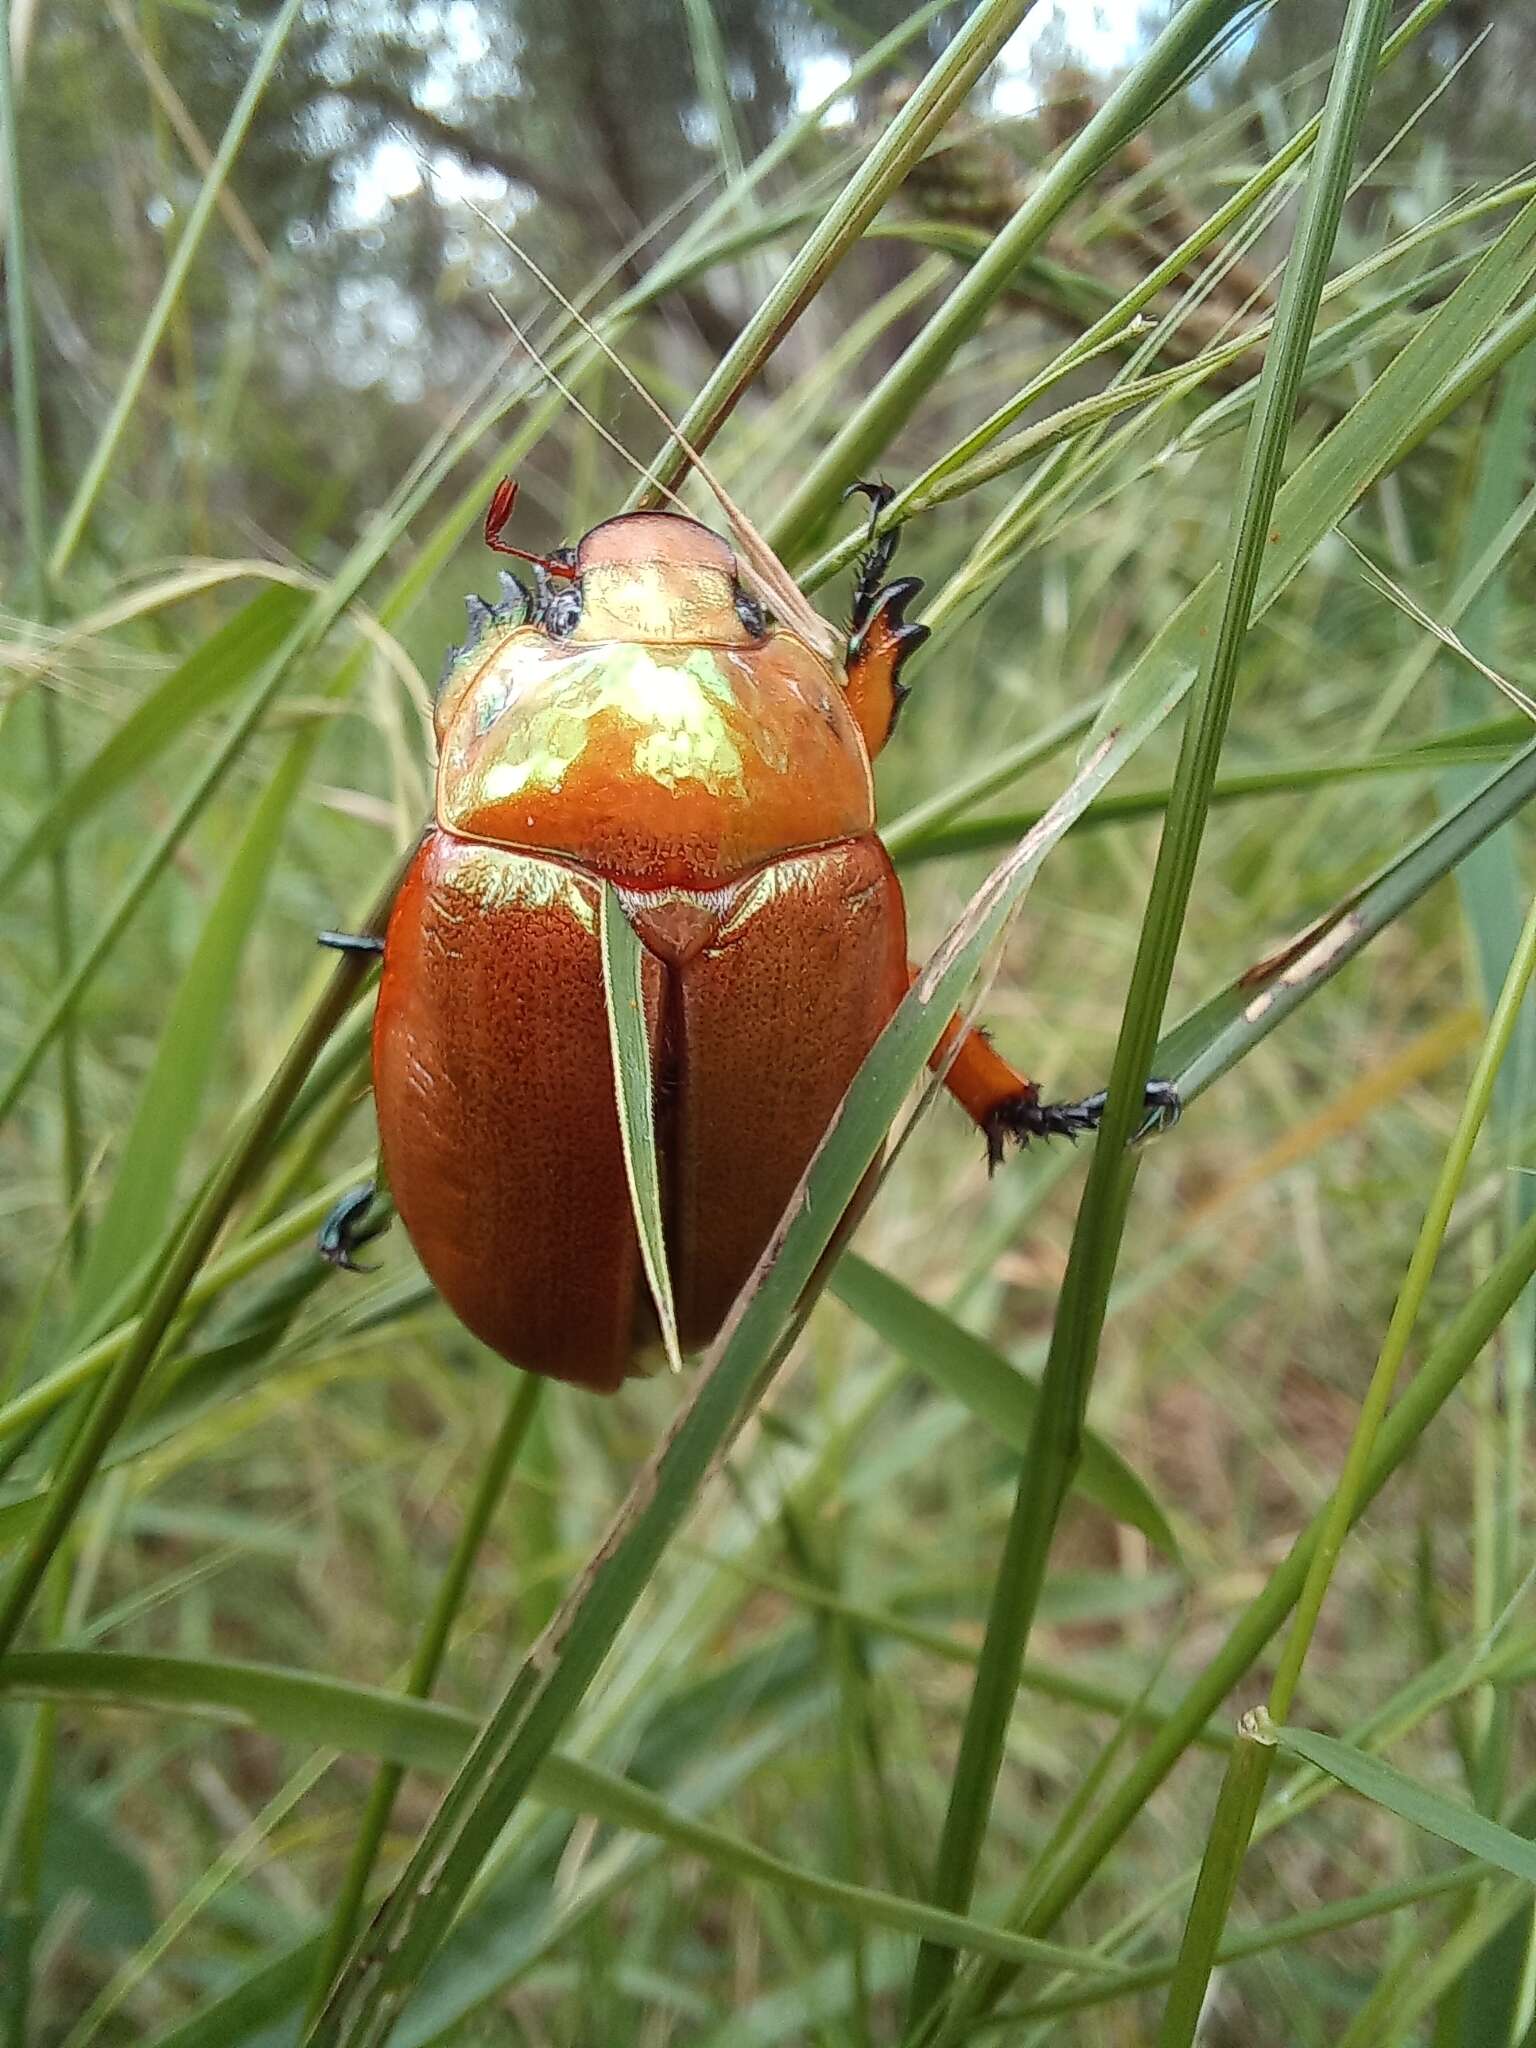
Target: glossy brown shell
x,y
495,1092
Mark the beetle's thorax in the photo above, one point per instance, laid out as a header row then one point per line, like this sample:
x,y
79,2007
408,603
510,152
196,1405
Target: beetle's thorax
x,y
662,740
655,578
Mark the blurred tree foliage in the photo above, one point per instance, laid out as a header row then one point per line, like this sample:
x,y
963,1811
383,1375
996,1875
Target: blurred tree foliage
x,y
362,274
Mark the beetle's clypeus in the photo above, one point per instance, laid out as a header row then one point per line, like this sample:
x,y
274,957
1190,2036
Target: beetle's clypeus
x,y
637,720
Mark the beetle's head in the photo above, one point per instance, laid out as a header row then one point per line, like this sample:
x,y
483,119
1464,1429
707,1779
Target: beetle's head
x,y
658,577
653,577
647,576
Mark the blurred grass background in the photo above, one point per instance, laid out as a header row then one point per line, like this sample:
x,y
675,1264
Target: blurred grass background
x,y
295,379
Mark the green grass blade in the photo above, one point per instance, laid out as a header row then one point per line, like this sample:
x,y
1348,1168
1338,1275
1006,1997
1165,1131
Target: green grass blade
x,y
984,835
634,1096
1373,435
195,1033
417,1734
1181,45
116,1394
201,683
902,144
1211,1040
1437,1377
1388,1787
522,1406
996,1392
187,245
1056,1437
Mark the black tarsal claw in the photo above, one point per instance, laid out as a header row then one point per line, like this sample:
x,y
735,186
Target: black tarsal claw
x,y
348,1226
1164,1106
878,494
876,559
1025,1116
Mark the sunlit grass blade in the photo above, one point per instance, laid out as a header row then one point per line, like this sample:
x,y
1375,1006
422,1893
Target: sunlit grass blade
x,y
635,1097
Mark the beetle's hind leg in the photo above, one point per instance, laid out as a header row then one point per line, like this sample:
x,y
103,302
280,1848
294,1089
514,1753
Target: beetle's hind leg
x,y
881,638
1004,1104
362,1214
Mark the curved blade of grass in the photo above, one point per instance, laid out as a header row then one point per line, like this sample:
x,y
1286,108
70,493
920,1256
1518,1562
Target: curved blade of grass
x,y
996,1392
1386,1786
634,1095
547,1690
209,675
839,227
422,1735
1055,1442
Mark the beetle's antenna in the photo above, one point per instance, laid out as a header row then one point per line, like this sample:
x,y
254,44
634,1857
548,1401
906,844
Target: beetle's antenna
x,y
502,501
554,377
773,580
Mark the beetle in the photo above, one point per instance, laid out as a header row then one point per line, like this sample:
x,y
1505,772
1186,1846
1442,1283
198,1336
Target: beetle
x,y
637,718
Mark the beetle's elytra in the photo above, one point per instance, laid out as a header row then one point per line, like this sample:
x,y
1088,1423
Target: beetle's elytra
x,y
639,721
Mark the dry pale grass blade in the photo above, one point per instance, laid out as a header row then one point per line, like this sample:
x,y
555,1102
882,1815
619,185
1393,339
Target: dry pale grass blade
x,y
1385,587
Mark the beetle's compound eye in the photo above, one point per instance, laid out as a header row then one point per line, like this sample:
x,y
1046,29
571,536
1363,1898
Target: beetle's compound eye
x,y
557,599
750,612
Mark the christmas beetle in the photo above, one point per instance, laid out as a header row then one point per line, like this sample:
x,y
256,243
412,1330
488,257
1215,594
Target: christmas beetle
x,y
638,718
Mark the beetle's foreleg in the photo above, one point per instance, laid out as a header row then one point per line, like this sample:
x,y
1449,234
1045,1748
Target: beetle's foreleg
x,y
882,638
351,942
360,1216
1004,1104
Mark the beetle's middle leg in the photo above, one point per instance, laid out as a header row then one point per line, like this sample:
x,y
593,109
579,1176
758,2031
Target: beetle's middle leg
x,y
881,638
1004,1104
